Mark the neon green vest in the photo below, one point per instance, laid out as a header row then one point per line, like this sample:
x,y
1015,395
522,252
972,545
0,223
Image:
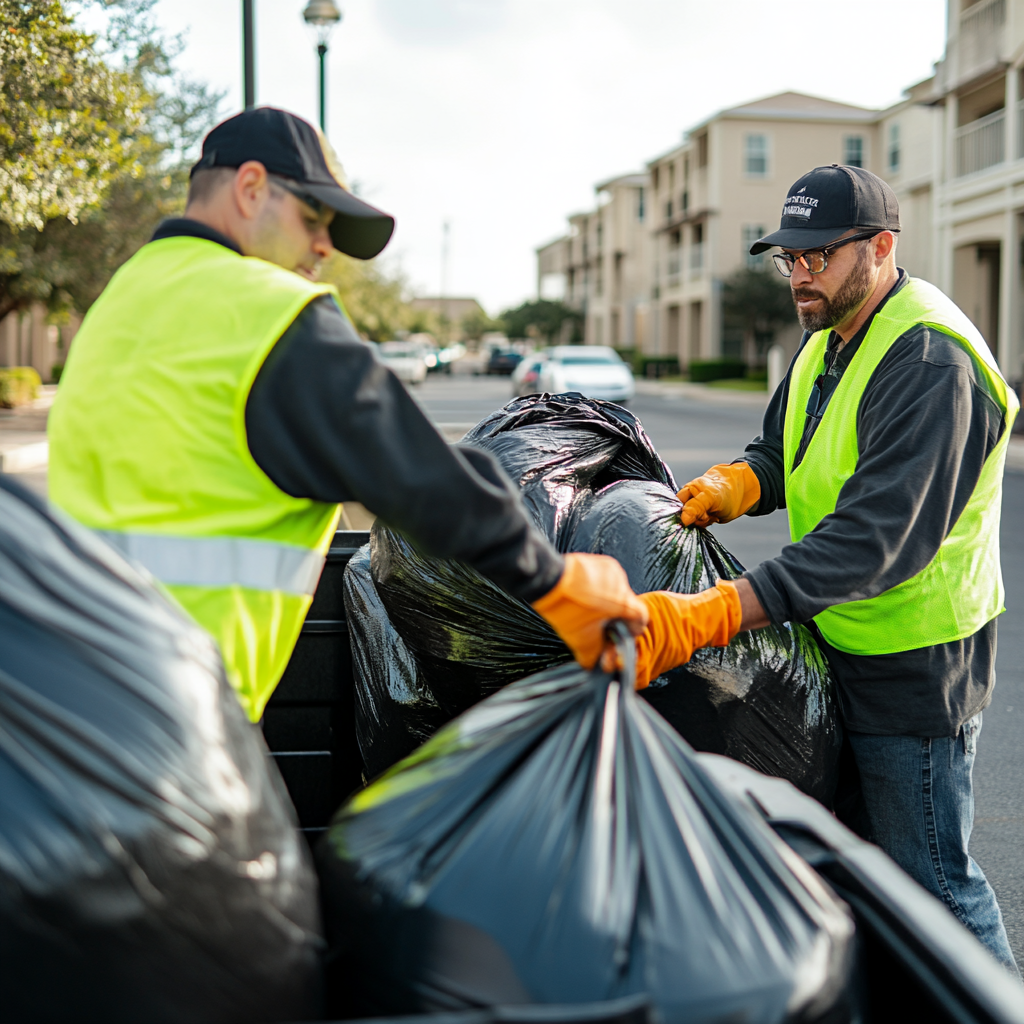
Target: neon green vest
x,y
148,445
961,588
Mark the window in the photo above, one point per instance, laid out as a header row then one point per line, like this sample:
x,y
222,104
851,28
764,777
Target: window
x,y
640,205
600,235
702,150
853,151
894,147
751,233
654,179
684,202
668,210
756,156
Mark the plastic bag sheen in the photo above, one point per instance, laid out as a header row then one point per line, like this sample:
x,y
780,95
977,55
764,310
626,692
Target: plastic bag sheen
x,y
592,481
150,865
559,843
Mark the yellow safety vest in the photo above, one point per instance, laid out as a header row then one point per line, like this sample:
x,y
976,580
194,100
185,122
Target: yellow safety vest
x,y
962,587
148,446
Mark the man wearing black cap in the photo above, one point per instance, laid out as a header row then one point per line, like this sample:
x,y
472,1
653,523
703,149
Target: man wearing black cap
x,y
886,444
218,406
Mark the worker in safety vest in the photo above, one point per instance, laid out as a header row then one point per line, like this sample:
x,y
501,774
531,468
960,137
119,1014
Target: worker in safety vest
x,y
885,443
218,406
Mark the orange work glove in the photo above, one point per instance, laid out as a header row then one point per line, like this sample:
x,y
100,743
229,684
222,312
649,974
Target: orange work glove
x,y
721,495
681,623
593,590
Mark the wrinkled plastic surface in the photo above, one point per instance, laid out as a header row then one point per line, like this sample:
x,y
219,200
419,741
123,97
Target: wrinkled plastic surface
x,y
150,866
593,482
559,843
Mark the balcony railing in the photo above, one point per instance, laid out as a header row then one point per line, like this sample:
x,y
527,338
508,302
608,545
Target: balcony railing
x,y
980,28
981,144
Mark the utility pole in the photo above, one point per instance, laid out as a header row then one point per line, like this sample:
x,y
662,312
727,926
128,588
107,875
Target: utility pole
x,y
248,55
444,280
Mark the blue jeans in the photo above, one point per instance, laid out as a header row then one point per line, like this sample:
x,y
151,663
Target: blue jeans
x,y
919,799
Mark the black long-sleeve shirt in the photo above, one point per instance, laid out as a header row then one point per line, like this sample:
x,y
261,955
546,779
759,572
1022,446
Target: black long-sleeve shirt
x,y
925,426
326,420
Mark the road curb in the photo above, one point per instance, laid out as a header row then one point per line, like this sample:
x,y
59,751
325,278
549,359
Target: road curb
x,y
702,393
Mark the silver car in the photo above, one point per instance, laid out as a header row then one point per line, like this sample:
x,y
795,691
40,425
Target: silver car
x,y
596,371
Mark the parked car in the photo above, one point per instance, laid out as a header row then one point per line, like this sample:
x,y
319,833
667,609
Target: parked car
x,y
502,361
595,371
405,359
526,376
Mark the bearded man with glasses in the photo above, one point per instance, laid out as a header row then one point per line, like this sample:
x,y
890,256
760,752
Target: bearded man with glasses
x,y
885,443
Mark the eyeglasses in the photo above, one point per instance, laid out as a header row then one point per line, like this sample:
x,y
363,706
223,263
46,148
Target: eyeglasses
x,y
815,260
325,214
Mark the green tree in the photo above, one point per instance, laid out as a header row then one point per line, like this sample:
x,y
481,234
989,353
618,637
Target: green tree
x,y
92,156
757,301
476,324
543,318
373,298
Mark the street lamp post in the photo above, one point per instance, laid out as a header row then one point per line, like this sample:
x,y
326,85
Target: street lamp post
x,y
322,15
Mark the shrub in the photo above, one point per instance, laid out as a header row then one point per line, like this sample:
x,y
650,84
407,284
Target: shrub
x,y
19,385
716,369
656,366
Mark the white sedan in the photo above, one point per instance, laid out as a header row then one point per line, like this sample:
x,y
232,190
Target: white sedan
x,y
405,359
596,371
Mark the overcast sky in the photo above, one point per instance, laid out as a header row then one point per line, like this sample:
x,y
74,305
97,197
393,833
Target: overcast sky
x,y
500,115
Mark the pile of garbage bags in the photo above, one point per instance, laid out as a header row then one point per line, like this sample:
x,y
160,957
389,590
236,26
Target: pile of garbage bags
x,y
559,843
150,864
431,637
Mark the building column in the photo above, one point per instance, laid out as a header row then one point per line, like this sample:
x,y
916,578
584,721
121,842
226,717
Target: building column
x,y
1010,126
9,340
40,344
1007,350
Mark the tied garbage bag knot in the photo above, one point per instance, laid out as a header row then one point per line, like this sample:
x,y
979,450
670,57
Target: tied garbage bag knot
x,y
559,843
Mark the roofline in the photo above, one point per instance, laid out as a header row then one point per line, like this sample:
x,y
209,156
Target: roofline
x,y
732,113
601,186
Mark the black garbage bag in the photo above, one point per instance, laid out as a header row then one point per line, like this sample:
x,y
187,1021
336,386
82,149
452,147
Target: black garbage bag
x,y
560,843
150,865
592,481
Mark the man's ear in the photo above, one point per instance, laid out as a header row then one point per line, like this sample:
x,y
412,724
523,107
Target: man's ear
x,y
251,188
885,245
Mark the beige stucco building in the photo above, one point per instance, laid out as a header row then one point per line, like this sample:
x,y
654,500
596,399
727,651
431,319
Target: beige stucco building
x,y
601,266
978,195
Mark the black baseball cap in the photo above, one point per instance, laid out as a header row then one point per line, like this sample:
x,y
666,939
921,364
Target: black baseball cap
x,y
829,201
292,148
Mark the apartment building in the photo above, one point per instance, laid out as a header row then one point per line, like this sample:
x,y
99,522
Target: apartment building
x,y
646,267
601,266
978,191
722,188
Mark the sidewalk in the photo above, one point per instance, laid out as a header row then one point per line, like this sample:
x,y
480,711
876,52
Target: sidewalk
x,y
702,393
23,444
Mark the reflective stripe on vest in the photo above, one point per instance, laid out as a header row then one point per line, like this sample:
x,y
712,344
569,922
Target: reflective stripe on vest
x,y
222,561
961,588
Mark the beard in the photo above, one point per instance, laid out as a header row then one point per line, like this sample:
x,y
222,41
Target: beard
x,y
852,292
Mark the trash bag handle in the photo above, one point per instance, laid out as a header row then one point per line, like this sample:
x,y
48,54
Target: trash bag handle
x,y
618,634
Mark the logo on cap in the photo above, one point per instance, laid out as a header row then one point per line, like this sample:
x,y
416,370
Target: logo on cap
x,y
798,205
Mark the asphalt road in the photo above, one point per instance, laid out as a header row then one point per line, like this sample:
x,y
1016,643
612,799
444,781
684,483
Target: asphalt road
x,y
691,436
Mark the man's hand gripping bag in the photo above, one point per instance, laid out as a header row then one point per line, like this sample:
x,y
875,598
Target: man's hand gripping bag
x,y
559,844
150,865
592,481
